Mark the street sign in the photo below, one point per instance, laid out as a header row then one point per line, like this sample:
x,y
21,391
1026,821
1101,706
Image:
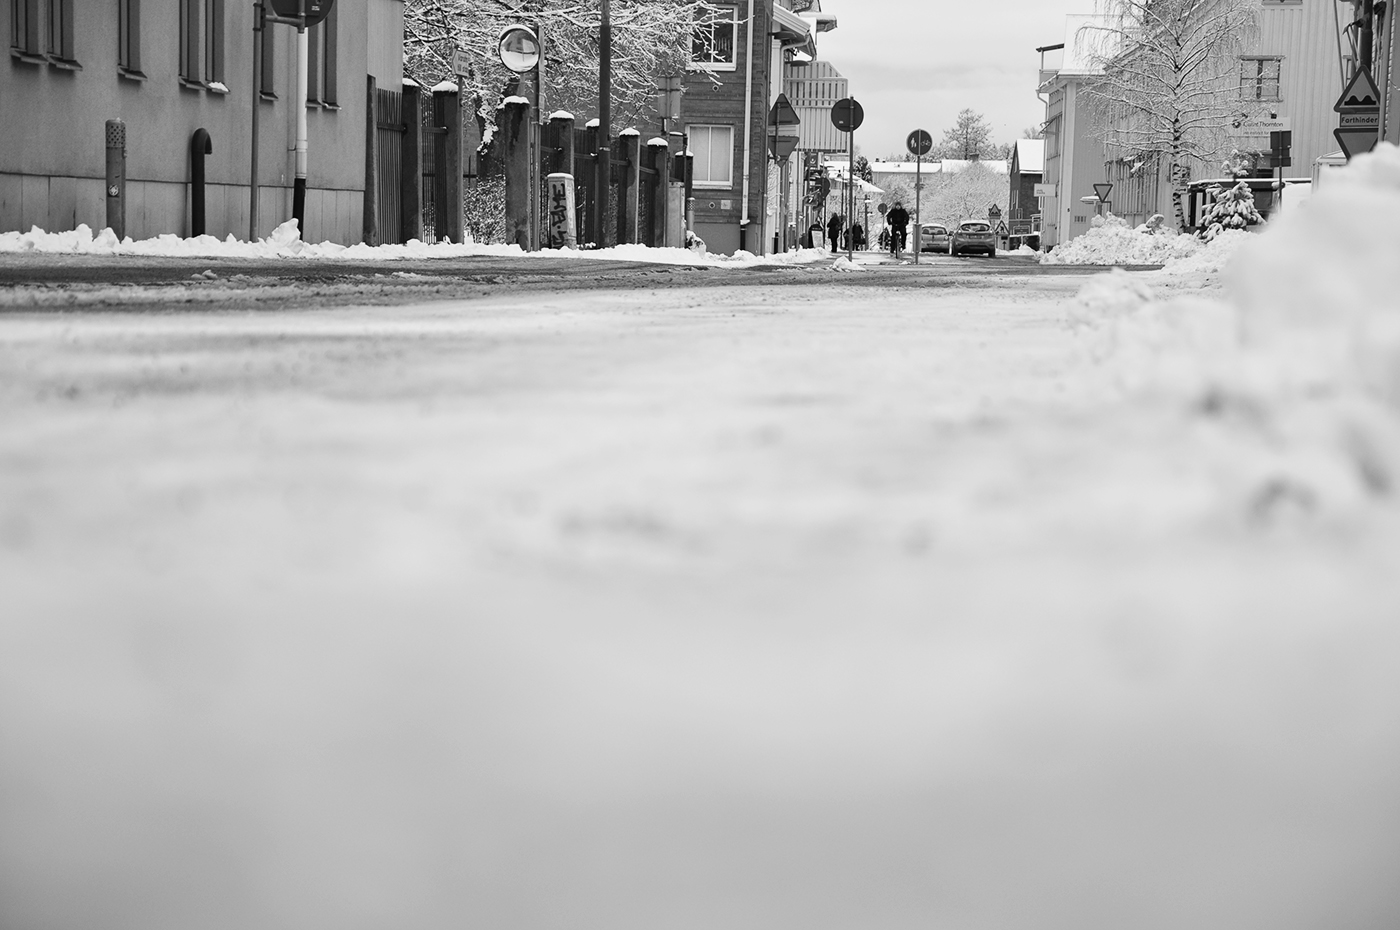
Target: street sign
x,y
316,10
1356,141
919,143
781,147
847,114
461,62
782,113
881,207
1359,125
1001,228
994,211
1042,190
1360,94
1102,191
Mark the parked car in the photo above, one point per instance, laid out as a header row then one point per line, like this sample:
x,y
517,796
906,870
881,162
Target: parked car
x,y
973,236
933,237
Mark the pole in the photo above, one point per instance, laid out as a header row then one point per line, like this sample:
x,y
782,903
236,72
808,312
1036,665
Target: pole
x,y
600,196
299,185
258,26
851,188
918,193
1368,37
866,227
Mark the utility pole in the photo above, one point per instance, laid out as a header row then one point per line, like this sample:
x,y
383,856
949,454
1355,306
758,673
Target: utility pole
x,y
1368,37
600,212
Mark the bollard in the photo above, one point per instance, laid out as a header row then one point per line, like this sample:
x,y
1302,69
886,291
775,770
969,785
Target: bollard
x,y
629,160
560,232
513,129
116,177
659,161
561,142
199,147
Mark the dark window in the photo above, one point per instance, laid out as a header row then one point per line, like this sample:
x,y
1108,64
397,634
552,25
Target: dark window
x,y
129,36
321,61
24,27
267,83
60,38
1259,78
213,40
201,41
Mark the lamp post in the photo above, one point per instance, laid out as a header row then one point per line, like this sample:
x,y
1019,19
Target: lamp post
x,y
866,227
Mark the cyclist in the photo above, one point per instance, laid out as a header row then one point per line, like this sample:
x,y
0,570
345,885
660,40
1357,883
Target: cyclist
x,y
898,218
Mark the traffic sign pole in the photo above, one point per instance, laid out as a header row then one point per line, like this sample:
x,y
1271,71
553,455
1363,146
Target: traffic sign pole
x,y
919,143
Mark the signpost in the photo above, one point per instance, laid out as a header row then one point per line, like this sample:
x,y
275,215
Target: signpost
x,y
1101,191
1358,126
919,143
302,14
847,115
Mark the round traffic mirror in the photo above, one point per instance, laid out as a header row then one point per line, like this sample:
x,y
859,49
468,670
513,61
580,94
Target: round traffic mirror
x,y
519,49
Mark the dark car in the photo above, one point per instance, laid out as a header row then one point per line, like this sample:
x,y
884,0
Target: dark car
x,y
973,236
933,237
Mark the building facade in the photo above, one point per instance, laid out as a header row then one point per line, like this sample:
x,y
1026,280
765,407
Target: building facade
x,y
168,68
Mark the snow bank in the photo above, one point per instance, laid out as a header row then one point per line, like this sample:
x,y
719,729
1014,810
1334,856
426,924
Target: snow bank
x,y
1300,366
285,243
1111,241
1322,288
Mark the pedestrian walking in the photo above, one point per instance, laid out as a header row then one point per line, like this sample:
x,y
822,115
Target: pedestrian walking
x,y
833,231
858,236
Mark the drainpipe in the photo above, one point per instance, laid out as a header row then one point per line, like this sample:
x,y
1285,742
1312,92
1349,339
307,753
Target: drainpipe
x,y
299,185
748,136
199,147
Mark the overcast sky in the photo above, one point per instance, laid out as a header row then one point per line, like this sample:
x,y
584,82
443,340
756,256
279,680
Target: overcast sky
x,y
913,64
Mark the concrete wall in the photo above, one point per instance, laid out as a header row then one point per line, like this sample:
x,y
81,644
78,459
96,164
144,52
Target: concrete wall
x,y
51,173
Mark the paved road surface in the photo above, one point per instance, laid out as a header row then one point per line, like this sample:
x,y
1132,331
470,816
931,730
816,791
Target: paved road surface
x,y
745,606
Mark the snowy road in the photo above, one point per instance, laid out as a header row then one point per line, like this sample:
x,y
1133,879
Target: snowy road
x,y
738,607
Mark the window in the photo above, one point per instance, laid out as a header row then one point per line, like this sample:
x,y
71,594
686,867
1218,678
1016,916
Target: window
x,y
267,82
320,81
129,37
1259,78
60,37
713,43
202,42
24,30
713,148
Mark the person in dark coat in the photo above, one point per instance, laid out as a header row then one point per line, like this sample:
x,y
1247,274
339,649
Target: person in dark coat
x,y
858,236
833,231
898,218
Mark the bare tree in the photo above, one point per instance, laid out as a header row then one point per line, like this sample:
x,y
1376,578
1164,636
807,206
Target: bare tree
x,y
651,38
1169,82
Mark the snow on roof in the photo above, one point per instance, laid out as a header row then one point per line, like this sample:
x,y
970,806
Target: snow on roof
x,y
444,87
943,166
1030,155
410,82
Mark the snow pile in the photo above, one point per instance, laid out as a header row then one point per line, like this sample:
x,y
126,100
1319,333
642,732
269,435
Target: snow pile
x,y
1321,288
1112,242
845,264
286,242
1299,370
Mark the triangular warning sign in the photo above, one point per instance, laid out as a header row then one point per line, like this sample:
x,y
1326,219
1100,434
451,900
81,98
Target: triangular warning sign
x,y
1356,141
1360,94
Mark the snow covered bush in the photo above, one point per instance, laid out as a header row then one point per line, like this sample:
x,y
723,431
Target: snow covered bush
x,y
1230,209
